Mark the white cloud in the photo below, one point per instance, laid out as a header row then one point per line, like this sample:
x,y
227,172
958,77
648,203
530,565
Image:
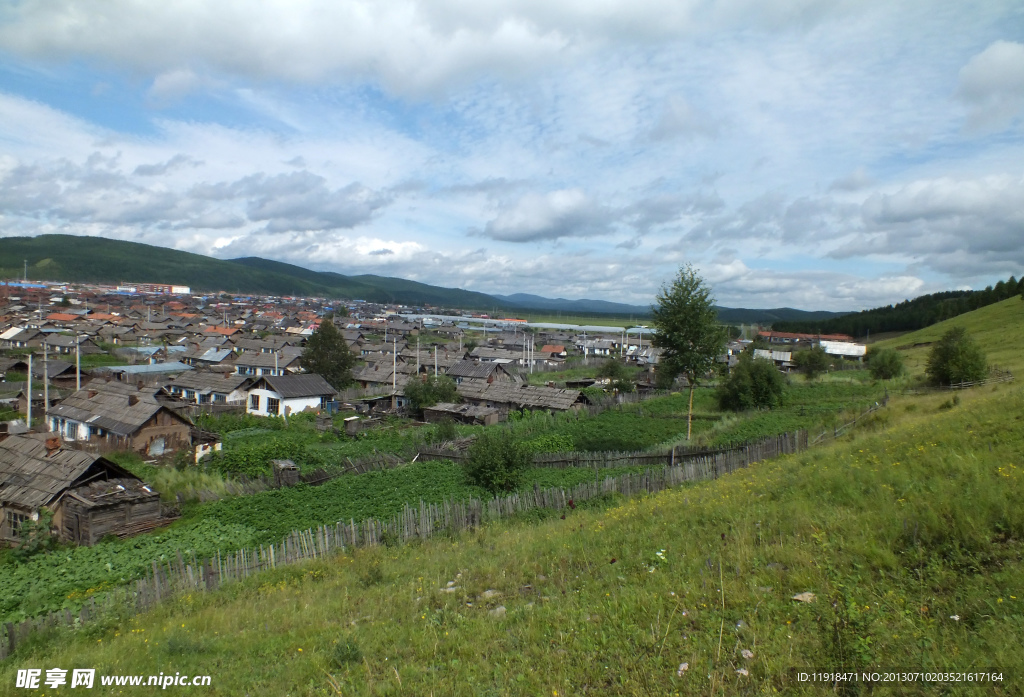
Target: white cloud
x,y
992,86
537,217
413,46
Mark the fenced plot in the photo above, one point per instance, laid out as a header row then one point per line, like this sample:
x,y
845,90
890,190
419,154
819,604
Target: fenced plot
x,y
185,575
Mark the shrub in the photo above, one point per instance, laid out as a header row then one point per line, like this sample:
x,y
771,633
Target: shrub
x,y
956,358
431,391
497,461
753,383
813,362
885,364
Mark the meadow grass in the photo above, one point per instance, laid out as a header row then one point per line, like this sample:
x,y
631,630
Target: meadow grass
x,y
998,328
908,532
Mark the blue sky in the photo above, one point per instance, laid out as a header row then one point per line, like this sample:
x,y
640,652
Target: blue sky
x,y
820,154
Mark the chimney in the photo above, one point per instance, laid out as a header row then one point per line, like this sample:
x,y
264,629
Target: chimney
x,y
132,400
92,393
52,445
139,385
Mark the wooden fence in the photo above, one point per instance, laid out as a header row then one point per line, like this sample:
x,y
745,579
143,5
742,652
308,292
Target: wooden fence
x,y
182,574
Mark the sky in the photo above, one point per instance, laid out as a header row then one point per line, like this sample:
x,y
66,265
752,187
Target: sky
x,y
817,154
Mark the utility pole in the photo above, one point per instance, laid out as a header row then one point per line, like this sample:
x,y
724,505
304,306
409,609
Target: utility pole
x,y
46,381
24,278
435,361
417,355
394,373
78,362
28,391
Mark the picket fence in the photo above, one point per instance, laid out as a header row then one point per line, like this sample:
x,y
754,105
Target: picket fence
x,y
183,575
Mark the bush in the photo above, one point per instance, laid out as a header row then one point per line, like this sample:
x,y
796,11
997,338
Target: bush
x,y
956,358
431,391
813,362
753,383
885,364
497,461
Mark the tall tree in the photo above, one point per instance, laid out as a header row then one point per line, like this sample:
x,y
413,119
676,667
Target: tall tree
x,y
327,355
688,331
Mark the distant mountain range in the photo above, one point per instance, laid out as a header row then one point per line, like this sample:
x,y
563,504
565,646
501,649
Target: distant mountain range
x,y
99,260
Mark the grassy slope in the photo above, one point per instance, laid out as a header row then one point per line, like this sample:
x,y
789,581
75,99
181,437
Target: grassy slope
x,y
999,328
912,520
895,531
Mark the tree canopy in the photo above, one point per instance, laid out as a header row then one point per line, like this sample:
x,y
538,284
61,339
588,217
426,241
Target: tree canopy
x,y
885,364
433,390
327,355
689,334
813,362
754,383
956,358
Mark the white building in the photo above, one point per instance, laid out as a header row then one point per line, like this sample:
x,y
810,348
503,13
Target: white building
x,y
844,349
281,395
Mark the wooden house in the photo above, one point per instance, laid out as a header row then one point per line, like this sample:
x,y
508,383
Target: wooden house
x,y
118,415
90,496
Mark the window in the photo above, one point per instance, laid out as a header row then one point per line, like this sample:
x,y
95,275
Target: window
x,y
190,395
72,431
254,402
205,398
14,521
273,405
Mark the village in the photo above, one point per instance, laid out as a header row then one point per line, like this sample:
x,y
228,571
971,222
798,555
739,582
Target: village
x,y
86,371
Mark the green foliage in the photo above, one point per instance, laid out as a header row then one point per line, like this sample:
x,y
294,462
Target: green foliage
x,y
551,443
346,651
621,377
497,461
688,330
754,383
35,536
445,431
431,391
956,357
908,315
613,370
812,362
327,354
885,364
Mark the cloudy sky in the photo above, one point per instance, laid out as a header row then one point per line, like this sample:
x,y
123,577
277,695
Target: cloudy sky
x,y
819,154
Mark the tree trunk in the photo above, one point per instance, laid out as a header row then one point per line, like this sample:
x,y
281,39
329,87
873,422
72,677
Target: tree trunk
x,y
689,414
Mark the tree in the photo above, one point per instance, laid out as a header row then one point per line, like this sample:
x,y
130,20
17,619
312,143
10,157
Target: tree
x,y
327,355
427,393
956,358
497,461
813,362
688,331
885,364
754,383
618,374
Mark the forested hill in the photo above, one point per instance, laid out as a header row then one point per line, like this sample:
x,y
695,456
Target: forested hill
x,y
98,260
910,314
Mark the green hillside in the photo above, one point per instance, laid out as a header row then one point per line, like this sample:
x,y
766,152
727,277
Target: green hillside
x,y
908,532
98,260
377,288
908,315
999,328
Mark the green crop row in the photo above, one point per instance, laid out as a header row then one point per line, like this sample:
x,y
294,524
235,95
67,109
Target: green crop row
x,y
65,577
